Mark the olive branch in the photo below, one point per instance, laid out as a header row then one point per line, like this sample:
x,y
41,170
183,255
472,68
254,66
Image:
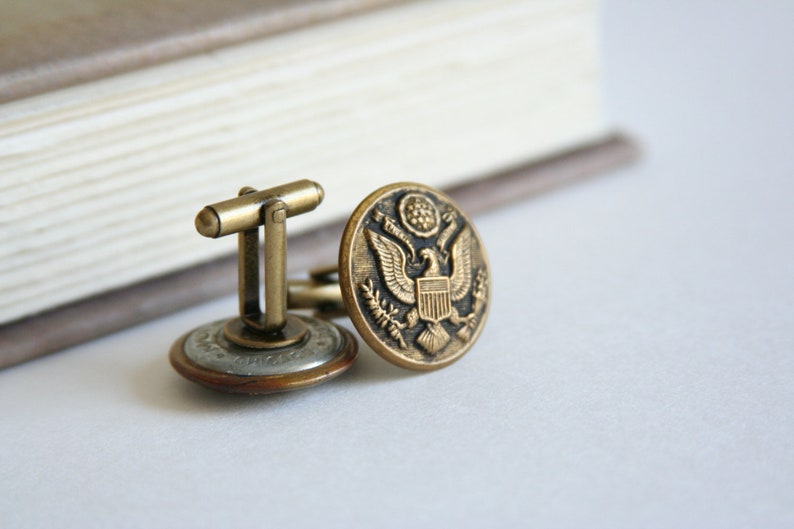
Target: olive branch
x,y
381,313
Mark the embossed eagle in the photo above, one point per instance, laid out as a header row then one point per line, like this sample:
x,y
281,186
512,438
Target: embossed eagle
x,y
430,292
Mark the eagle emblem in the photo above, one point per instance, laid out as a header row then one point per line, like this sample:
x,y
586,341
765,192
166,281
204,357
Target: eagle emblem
x,y
440,275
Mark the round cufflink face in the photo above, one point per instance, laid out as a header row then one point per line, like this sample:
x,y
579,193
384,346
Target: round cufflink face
x,y
414,276
206,356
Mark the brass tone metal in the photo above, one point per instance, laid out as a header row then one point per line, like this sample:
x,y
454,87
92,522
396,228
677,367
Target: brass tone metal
x,y
245,211
414,276
262,352
320,292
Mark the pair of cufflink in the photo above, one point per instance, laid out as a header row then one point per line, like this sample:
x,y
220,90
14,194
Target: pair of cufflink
x,y
412,276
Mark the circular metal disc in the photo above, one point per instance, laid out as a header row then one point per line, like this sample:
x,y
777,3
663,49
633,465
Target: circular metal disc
x,y
414,276
206,356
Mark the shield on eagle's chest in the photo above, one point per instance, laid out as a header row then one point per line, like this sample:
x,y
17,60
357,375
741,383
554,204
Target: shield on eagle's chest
x,y
432,298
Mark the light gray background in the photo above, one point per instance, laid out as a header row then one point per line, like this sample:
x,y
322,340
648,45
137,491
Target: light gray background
x,y
636,370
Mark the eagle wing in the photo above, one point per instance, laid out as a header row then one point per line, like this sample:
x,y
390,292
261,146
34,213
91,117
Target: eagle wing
x,y
460,281
391,261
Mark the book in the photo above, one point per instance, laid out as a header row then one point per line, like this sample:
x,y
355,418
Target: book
x,y
110,143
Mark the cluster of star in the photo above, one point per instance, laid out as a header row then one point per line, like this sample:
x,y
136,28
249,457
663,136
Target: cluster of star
x,y
421,214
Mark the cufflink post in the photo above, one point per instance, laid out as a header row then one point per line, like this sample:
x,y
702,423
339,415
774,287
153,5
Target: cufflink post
x,y
262,352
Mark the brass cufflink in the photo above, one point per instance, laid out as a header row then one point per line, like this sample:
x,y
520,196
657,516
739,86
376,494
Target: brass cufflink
x,y
412,276
262,352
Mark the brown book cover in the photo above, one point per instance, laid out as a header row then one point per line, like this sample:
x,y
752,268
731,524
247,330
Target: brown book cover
x,y
51,44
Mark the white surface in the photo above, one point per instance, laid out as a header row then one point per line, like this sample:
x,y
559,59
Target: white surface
x,y
636,370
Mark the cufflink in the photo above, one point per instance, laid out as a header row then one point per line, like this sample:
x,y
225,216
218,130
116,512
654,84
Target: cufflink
x,y
262,352
413,277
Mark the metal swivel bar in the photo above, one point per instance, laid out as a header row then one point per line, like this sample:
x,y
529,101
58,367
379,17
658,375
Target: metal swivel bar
x,y
243,215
